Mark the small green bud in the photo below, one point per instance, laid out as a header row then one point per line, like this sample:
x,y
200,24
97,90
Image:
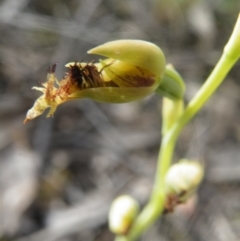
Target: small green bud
x,y
172,85
171,111
122,214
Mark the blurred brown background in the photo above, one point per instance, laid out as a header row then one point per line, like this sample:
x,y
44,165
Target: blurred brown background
x,y
59,175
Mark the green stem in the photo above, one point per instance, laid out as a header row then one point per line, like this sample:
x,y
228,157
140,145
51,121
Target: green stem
x,y
156,204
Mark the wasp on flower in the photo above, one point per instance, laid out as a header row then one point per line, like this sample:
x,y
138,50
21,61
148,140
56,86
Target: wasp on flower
x,y
132,70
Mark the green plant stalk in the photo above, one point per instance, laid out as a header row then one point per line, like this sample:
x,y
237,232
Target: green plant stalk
x,y
156,204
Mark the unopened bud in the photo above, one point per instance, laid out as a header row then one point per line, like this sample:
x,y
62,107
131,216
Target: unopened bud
x,y
122,213
172,85
171,111
181,181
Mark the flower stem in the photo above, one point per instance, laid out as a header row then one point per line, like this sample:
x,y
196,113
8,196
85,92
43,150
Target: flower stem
x,y
155,206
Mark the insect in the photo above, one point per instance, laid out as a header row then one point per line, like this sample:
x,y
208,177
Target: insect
x,y
86,76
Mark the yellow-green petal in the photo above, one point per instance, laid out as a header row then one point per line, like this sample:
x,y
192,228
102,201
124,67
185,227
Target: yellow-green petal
x,y
135,52
127,75
113,94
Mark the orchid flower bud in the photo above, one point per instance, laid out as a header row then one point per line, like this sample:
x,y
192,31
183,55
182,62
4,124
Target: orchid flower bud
x,y
181,181
171,111
133,70
122,213
172,85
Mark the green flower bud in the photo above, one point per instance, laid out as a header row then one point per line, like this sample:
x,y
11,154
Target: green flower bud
x,y
133,70
181,181
171,111
122,213
172,85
